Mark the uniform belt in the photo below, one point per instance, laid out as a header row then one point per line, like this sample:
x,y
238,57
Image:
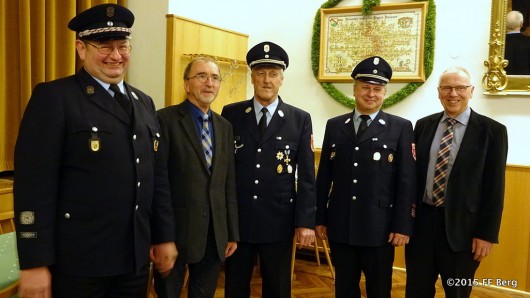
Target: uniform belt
x,y
432,207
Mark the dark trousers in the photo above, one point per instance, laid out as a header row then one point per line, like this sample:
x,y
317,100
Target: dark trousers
x,y
375,262
274,264
428,255
126,285
203,275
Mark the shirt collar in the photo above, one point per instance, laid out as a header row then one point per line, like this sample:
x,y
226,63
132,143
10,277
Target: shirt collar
x,y
271,108
462,118
356,115
197,113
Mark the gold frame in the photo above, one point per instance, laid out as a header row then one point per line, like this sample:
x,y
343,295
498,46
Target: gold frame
x,y
393,10
495,80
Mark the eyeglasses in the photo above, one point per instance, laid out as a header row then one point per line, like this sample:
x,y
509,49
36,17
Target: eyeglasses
x,y
202,77
107,49
458,89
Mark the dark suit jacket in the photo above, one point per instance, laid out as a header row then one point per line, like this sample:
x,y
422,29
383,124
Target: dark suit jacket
x,y
91,209
271,205
475,188
199,197
517,52
366,187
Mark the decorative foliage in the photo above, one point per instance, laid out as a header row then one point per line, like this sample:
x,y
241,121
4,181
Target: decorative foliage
x,y
430,23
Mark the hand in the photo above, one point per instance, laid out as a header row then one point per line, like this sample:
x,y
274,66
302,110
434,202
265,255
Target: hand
x,y
35,282
304,237
230,248
481,249
322,232
163,256
398,239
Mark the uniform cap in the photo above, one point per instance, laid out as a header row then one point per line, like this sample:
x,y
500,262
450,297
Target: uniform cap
x,y
267,53
374,70
103,22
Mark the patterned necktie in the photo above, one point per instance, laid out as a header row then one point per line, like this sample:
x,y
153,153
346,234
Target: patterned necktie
x,y
124,102
262,125
363,125
440,170
206,140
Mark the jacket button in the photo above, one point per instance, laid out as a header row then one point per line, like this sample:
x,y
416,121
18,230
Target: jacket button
x,y
136,207
354,180
134,137
255,197
138,184
258,166
259,149
356,148
256,182
354,198
137,160
355,164
67,215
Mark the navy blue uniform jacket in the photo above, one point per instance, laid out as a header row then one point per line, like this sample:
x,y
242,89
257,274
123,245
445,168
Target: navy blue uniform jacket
x,y
366,187
271,204
88,175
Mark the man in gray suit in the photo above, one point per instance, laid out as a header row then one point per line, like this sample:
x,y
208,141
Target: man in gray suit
x,y
198,149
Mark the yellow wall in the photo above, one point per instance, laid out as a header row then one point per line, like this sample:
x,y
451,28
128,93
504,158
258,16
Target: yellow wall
x,y
187,39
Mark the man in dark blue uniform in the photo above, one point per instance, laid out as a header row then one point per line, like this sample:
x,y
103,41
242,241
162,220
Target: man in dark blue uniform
x,y
90,196
366,186
275,178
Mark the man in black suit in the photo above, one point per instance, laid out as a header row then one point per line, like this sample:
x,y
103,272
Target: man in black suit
x,y
203,183
366,186
90,193
460,193
517,49
275,178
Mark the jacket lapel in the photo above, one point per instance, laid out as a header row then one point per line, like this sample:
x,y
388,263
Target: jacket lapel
x,y
250,120
99,96
349,128
188,124
277,121
377,126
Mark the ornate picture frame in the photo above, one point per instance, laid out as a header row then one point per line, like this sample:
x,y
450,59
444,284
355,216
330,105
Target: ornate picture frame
x,y
495,80
395,32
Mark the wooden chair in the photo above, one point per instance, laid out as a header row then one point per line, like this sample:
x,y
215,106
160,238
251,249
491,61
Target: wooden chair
x,y
7,223
317,247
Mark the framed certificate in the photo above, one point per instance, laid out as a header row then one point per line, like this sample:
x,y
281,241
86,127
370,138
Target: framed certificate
x,y
395,32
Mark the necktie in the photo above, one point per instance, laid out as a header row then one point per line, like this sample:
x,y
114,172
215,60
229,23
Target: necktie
x,y
206,140
440,170
363,125
262,125
124,102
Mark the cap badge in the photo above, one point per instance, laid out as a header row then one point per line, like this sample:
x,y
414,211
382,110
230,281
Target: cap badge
x,y
376,60
110,12
110,24
266,48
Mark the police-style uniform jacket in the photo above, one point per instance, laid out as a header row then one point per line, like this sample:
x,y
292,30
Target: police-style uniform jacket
x,y
89,197
268,197
366,186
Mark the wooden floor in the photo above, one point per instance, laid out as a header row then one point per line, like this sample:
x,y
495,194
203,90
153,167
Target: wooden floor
x,y
312,281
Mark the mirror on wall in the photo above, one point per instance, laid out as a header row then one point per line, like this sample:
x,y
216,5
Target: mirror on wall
x,y
495,80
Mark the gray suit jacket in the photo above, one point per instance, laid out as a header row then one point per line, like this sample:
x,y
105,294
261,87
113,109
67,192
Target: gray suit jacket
x,y
197,195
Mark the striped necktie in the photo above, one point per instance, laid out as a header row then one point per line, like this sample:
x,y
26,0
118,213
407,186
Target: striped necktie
x,y
206,140
440,170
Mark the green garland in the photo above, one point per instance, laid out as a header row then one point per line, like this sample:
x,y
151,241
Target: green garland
x,y
430,22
